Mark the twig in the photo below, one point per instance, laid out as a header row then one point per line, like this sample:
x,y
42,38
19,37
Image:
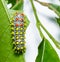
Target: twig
x,y
40,24
49,5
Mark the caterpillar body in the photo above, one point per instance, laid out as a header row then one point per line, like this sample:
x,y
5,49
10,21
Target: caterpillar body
x,y
18,33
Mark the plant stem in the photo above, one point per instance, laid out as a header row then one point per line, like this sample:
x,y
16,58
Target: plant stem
x,y
49,5
18,6
38,24
40,32
51,37
16,1
37,20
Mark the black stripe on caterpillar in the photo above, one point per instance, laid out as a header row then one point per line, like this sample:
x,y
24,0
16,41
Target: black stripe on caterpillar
x,y
18,33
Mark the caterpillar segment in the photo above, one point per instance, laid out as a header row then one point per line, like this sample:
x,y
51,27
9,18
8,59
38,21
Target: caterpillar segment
x,y
18,28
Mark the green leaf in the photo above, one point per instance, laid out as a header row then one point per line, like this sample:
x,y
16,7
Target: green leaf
x,y
13,2
6,51
6,1
46,52
55,7
18,6
58,21
26,21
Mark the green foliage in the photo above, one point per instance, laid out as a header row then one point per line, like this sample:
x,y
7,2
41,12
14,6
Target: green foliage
x,y
58,21
4,34
46,52
55,8
13,2
18,6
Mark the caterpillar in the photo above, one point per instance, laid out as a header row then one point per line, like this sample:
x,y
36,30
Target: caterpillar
x,y
18,33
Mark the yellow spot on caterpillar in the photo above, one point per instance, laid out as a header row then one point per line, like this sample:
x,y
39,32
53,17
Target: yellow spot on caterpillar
x,y
21,48
17,32
14,48
12,33
13,42
12,28
18,48
17,37
17,29
22,37
21,32
12,24
22,42
17,42
21,28
24,28
13,38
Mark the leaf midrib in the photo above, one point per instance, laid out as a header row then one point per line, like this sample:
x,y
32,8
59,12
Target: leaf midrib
x,y
43,52
5,10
